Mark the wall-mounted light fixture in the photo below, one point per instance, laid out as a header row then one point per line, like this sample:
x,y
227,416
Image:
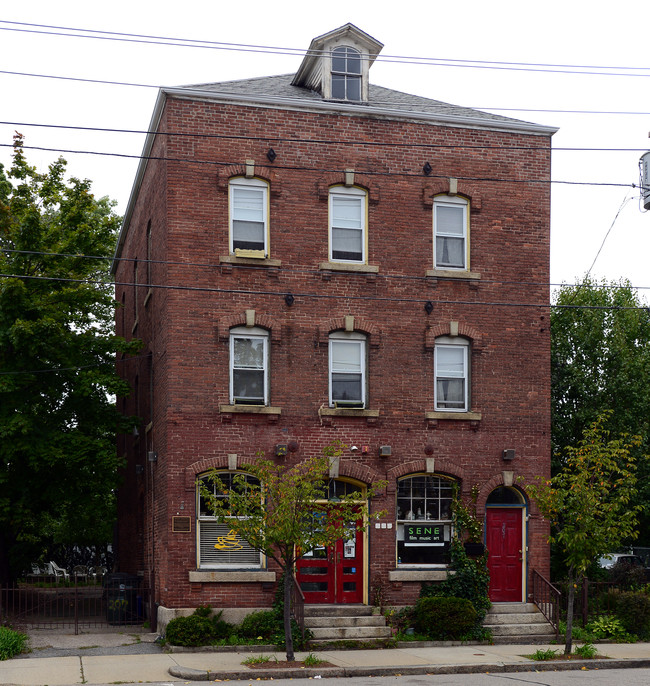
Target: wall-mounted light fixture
x,y
508,455
289,299
428,307
139,469
427,169
385,451
152,456
271,155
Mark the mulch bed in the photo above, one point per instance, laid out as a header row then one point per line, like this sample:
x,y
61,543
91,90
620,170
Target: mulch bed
x,y
284,664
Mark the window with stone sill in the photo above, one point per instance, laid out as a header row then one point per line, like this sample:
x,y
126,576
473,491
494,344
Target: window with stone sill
x,y
249,217
451,374
347,370
347,224
249,366
218,546
451,233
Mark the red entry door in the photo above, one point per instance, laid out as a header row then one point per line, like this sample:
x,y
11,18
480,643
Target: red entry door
x,y
505,557
334,574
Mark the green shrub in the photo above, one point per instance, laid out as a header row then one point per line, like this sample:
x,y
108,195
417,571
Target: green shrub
x,y
261,624
633,609
586,651
540,655
194,630
444,619
11,642
605,626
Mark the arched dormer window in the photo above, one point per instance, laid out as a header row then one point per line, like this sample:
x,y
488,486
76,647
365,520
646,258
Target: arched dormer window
x,y
346,74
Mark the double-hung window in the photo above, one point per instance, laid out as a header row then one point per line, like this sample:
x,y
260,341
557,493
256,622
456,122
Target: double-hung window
x,y
248,217
347,359
249,368
218,545
450,220
346,74
451,374
347,219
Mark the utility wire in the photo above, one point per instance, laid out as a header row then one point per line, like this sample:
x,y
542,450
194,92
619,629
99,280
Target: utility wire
x,y
320,170
291,270
388,103
320,141
242,47
318,296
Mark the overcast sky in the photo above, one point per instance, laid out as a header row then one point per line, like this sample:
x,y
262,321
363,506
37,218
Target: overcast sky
x,y
608,38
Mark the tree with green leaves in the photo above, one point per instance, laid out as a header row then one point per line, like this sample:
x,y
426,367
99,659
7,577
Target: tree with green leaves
x,y
58,464
589,503
285,512
600,348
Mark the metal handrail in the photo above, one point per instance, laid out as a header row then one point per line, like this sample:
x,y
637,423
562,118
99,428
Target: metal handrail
x,y
547,599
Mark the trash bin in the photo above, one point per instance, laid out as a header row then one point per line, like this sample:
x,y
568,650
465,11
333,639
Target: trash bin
x,y
121,591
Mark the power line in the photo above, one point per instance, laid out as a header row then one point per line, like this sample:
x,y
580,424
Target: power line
x,y
320,141
388,103
320,170
242,47
320,296
294,270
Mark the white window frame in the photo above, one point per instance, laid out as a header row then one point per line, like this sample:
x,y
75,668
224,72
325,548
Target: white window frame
x,y
257,334
239,185
459,204
358,196
457,344
404,518
348,338
348,77
208,529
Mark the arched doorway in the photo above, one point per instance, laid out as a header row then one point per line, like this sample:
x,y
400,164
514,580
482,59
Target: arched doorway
x,y
335,574
505,539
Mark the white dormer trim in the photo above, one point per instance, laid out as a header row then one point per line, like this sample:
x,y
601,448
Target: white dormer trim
x,y
315,72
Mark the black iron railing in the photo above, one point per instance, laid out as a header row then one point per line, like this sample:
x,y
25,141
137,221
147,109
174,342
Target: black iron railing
x,y
547,599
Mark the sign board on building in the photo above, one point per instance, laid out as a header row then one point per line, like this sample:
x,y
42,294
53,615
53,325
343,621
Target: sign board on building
x,y
423,534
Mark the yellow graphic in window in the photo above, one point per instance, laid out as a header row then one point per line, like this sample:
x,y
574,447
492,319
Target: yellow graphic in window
x,y
228,542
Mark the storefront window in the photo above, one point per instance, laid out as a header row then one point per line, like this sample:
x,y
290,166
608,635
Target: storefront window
x,y
423,520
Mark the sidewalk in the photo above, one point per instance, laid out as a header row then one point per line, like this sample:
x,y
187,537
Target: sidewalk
x,y
124,657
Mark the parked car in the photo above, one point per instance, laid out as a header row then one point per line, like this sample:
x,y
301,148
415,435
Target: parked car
x,y
625,568
613,559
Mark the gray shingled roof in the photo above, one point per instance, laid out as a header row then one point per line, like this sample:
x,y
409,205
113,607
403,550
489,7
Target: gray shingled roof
x,y
380,98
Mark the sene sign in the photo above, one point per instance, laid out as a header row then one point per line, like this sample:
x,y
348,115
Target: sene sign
x,y
424,534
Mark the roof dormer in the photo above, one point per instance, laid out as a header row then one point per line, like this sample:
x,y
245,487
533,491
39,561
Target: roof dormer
x,y
337,63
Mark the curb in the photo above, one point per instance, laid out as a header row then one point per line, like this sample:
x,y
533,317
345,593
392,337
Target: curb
x,y
188,674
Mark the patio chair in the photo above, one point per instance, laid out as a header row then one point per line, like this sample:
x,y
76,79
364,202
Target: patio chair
x,y
59,572
80,572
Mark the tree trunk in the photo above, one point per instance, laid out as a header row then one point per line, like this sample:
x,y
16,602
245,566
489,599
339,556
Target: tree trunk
x,y
569,613
288,637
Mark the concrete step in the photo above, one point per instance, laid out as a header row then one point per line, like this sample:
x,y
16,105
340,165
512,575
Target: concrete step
x,y
512,608
524,618
328,622
338,611
533,639
518,629
359,633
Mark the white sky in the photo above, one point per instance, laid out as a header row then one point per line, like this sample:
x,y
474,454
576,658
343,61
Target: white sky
x,y
570,32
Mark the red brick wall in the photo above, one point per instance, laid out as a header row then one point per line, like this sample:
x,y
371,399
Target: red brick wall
x,y
185,327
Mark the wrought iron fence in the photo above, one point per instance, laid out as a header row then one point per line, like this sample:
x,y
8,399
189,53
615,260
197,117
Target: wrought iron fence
x,y
119,600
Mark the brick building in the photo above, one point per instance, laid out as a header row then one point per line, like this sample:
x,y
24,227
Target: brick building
x,y
311,258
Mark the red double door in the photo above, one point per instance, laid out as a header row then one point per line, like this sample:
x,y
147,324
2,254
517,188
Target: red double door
x,y
504,541
333,574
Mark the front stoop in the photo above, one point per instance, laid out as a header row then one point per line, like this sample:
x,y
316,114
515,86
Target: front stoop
x,y
345,623
518,623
